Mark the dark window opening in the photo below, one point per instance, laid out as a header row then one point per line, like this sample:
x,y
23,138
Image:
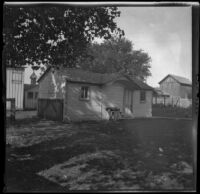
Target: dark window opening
x,y
84,92
30,95
36,95
142,96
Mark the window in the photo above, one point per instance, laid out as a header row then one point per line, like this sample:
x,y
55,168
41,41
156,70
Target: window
x,y
17,76
36,95
84,93
142,96
30,95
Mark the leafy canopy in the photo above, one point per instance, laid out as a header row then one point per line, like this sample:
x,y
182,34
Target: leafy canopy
x,y
115,55
49,34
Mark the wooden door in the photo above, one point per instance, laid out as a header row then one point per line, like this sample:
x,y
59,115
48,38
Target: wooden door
x,y
50,109
128,102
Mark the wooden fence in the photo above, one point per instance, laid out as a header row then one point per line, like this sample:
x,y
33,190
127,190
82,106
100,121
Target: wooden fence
x,y
50,109
173,101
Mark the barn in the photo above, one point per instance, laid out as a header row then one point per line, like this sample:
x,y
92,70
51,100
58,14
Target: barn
x,y
174,90
14,87
74,94
176,86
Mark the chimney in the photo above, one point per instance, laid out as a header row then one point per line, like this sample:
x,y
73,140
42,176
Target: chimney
x,y
33,78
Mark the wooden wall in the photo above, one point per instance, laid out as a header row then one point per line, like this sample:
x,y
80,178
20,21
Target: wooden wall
x,y
78,109
142,109
54,86
31,103
171,86
186,91
15,86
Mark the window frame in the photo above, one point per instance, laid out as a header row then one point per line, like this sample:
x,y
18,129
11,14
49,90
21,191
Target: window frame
x,y
84,98
141,99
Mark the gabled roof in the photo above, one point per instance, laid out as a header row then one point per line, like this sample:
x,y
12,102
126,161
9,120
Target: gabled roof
x,y
179,79
141,84
81,76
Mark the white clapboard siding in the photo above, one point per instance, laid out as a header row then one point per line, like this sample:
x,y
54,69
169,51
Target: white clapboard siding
x,y
142,109
15,86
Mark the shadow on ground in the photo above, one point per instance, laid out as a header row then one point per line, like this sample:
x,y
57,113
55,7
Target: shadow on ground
x,y
142,154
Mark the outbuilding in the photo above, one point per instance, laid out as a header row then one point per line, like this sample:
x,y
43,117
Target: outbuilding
x,y
74,94
176,86
14,88
31,93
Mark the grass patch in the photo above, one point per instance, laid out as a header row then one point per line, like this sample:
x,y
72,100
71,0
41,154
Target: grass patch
x,y
169,111
140,154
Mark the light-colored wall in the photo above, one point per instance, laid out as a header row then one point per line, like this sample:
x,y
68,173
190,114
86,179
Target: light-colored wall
x,y
30,103
77,109
170,86
186,91
142,109
110,95
52,86
14,89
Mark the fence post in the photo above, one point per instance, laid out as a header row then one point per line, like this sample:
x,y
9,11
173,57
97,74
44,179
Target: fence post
x,y
12,116
164,100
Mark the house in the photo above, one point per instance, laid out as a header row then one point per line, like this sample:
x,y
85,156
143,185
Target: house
x,y
75,94
176,86
14,87
31,93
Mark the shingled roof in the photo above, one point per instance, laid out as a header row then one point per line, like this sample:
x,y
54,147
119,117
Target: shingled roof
x,y
81,76
179,79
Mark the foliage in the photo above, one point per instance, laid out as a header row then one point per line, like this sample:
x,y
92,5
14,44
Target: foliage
x,y
50,34
117,54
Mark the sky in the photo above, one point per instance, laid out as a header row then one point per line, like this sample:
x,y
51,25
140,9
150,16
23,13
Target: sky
x,y
165,33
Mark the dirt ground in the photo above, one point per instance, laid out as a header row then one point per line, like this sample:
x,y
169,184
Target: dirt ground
x,y
127,155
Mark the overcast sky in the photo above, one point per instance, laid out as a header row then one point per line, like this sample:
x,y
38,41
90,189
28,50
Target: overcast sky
x,y
164,32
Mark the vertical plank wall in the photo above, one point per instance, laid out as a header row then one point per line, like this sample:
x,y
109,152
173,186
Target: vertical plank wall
x,y
14,89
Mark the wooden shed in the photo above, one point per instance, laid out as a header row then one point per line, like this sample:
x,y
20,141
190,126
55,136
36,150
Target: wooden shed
x,y
31,93
75,94
14,87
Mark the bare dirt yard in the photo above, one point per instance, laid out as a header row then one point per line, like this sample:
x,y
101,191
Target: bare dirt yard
x,y
135,155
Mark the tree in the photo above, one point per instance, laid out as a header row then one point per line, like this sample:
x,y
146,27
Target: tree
x,y
49,34
115,55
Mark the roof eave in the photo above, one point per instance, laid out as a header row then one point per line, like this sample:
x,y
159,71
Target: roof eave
x,y
83,82
41,77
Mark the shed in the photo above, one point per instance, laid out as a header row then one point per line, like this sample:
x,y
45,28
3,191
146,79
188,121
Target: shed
x,y
14,87
74,94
